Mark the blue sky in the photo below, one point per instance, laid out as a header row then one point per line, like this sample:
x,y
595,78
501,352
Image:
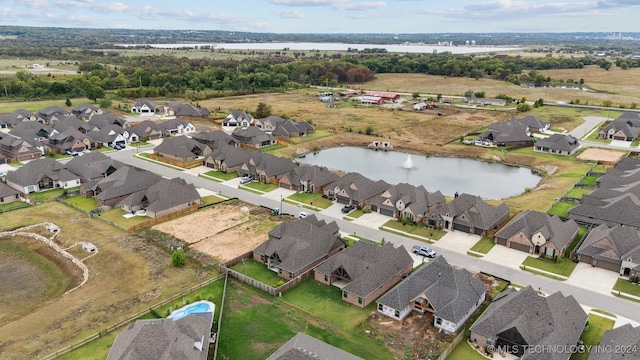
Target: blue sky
x,y
331,16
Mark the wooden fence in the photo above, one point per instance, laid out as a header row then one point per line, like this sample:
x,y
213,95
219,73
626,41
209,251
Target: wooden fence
x,y
159,219
183,164
452,346
131,318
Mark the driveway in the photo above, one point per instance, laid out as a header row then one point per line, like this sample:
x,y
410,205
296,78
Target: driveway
x,y
590,122
458,241
506,257
593,278
372,220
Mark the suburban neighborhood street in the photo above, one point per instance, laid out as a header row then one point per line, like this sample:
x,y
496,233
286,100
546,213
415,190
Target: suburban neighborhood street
x,y
587,292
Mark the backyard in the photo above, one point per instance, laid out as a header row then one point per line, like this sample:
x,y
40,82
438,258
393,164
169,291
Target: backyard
x,y
596,326
258,271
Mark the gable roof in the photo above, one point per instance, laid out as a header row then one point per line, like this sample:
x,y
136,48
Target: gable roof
x,y
180,109
358,187
622,209
507,132
305,347
414,198
33,171
124,181
532,122
452,292
561,142
143,101
610,243
625,339
94,165
318,175
475,211
180,146
368,264
529,222
146,128
6,190
214,138
102,120
165,194
552,320
252,135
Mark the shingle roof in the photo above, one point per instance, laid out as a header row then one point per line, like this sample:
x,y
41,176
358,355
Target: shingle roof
x,y
318,175
214,138
33,171
165,194
622,209
530,222
561,142
359,187
623,342
102,120
143,101
472,210
532,122
452,292
610,244
414,198
553,320
368,264
180,146
507,132
305,347
93,165
180,109
125,181
6,190
251,135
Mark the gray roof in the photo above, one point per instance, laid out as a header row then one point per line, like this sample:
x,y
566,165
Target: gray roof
x,y
452,292
414,198
622,209
251,135
318,175
172,124
32,172
531,222
214,138
288,127
616,177
559,142
508,132
6,190
358,187
231,156
271,165
146,128
143,101
66,139
299,243
181,146
31,131
164,194
532,122
628,163
553,320
164,339
625,339
610,244
471,210
368,264
124,181
107,133
72,122
305,347
94,165
239,115
102,120
180,109
51,111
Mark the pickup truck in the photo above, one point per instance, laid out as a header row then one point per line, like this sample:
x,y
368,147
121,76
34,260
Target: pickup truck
x,y
424,251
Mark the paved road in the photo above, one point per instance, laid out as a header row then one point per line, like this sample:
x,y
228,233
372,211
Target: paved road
x,y
587,297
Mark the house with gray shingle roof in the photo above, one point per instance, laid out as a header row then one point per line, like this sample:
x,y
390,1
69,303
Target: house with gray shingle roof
x,y
144,106
305,178
101,120
18,149
622,342
185,110
86,111
146,130
41,174
68,140
533,123
269,123
186,338
609,247
238,118
74,123
406,201
123,182
511,133
557,144
616,177
305,347
109,135
296,246
355,189
290,128
176,126
266,168
253,137
8,194
214,138
537,233
162,198
470,214
625,127
619,210
227,158
365,270
516,320
18,116
93,166
451,294
51,114
182,149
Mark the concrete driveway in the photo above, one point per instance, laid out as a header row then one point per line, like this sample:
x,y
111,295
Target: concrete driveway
x,y
457,241
593,278
372,220
506,257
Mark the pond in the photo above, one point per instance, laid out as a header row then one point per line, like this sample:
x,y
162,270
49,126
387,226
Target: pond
x,y
449,175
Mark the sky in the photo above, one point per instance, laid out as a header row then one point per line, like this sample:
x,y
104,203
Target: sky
x,y
330,16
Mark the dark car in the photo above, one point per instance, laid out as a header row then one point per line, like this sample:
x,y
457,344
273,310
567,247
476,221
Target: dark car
x,y
347,208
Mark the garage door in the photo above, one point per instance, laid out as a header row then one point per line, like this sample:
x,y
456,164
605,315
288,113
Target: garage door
x,y
386,212
521,247
342,200
285,186
478,231
461,228
501,241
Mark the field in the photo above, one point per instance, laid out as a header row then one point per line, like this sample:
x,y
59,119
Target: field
x,y
128,274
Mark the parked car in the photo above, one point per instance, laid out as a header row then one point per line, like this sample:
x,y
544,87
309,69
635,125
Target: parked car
x,y
303,214
246,179
71,152
86,151
348,208
117,147
424,251
3,175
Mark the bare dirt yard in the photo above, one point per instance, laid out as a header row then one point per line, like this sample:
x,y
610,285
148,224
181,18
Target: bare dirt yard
x,y
601,155
224,231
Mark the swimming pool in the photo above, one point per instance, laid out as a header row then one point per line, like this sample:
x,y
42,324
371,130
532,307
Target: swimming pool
x,y
198,307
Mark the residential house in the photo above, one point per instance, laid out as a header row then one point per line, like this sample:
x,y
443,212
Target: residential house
x,y
623,343
146,130
17,149
371,100
238,118
110,135
307,178
253,137
227,158
510,133
533,123
8,194
144,106
614,248
406,201
123,182
625,127
165,197
470,214
101,120
33,132
269,123
93,166
618,210
516,320
182,149
181,337
365,270
176,126
18,116
297,246
355,189
214,138
51,114
537,233
451,294
305,347
291,128
41,174
266,168
71,122
558,144
68,140
86,111
185,110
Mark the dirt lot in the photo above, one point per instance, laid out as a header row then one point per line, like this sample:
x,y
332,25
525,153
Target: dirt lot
x,y
601,155
235,229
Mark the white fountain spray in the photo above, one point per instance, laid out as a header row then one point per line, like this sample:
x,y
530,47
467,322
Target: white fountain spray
x,y
408,164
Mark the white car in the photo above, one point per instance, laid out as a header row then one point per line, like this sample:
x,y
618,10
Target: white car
x,y
245,180
303,214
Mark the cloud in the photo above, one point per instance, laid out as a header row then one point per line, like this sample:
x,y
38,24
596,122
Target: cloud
x,y
31,3
362,6
334,4
616,3
289,14
92,6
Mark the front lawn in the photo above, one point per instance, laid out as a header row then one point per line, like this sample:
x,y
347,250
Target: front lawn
x,y
258,271
561,208
626,286
419,230
355,213
211,199
222,176
596,326
483,245
260,187
312,199
563,267
85,203
140,144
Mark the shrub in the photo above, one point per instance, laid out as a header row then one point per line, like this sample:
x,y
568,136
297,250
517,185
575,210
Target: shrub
x,y
177,258
366,209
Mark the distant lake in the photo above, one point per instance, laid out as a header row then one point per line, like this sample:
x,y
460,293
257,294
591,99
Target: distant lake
x,y
449,175
395,48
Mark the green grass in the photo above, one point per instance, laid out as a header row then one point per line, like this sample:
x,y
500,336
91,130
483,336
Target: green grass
x,y
570,175
604,313
464,351
140,144
318,134
222,176
271,148
561,208
147,157
355,213
13,206
313,199
83,202
543,274
626,286
97,349
483,245
260,187
581,231
115,215
211,199
326,302
563,267
589,180
419,230
577,193
49,195
258,271
597,325
593,136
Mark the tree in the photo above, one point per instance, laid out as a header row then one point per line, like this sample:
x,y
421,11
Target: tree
x,y
263,110
104,103
607,103
68,102
94,93
523,107
479,94
468,94
177,258
415,95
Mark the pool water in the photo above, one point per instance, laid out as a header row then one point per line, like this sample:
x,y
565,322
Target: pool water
x,y
199,307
